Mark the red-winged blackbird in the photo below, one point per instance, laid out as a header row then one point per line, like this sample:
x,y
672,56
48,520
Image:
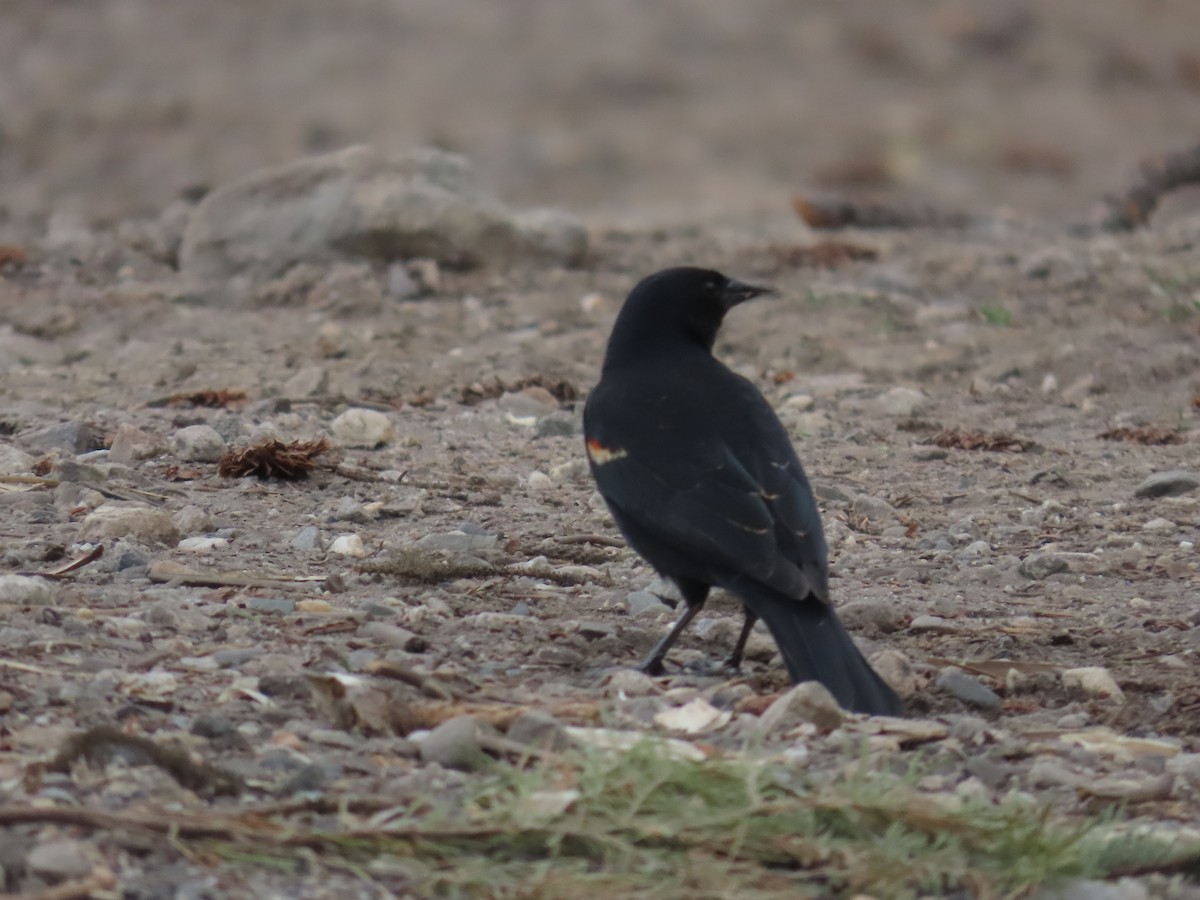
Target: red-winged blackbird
x,y
704,483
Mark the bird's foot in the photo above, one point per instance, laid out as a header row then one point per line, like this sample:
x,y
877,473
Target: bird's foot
x,y
652,667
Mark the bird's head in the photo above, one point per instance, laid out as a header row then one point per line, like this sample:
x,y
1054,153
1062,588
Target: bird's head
x,y
683,304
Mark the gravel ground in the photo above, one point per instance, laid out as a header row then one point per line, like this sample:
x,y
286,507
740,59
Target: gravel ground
x,y
1000,420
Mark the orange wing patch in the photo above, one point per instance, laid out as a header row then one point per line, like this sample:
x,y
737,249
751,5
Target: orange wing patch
x,y
599,454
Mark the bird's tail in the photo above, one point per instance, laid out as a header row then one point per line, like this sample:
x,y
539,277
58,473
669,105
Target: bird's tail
x,y
816,647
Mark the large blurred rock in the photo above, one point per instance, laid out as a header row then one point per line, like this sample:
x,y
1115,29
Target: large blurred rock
x,y
358,203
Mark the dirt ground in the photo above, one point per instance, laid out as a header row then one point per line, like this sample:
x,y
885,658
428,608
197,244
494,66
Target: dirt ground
x,y
678,132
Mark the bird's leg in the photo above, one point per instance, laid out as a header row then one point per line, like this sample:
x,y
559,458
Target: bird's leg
x,y
653,664
739,649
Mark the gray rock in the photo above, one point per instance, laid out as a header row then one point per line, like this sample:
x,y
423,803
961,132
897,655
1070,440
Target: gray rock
x,y
393,636
868,615
141,523
213,726
358,203
14,461
307,538
198,443
809,701
130,444
539,729
400,284
897,670
1092,681
312,778
631,683
530,401
23,590
192,520
132,558
593,631
234,657
558,655
557,425
279,605
901,401
968,689
60,859
74,437
1167,484
457,541
644,603
456,744
1042,565
309,381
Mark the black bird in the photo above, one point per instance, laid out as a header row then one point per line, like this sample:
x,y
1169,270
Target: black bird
x,y
705,485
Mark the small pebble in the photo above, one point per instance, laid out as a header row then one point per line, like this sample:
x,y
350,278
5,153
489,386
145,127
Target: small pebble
x,y
198,443
280,605
968,689
455,744
25,590
362,428
896,669
202,544
644,603
130,444
539,482
807,702
57,860
902,401
348,545
1167,484
307,538
1092,681
1158,524
1042,565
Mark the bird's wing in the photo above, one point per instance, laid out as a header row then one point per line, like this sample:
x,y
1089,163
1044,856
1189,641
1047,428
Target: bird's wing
x,y
703,504
799,536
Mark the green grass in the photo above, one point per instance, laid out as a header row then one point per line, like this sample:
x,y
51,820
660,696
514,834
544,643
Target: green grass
x,y
641,824
995,314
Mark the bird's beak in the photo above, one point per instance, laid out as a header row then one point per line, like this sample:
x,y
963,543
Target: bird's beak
x,y
739,292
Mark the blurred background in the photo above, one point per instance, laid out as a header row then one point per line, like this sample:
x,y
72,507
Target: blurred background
x,y
654,109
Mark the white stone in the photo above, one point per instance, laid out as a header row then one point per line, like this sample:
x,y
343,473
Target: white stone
x,y
364,428
901,401
348,545
1095,681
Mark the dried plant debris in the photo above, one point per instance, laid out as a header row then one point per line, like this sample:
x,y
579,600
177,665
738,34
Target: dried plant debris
x,y
1158,177
424,567
1148,435
825,254
563,391
272,459
954,439
101,744
224,398
12,256
830,213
